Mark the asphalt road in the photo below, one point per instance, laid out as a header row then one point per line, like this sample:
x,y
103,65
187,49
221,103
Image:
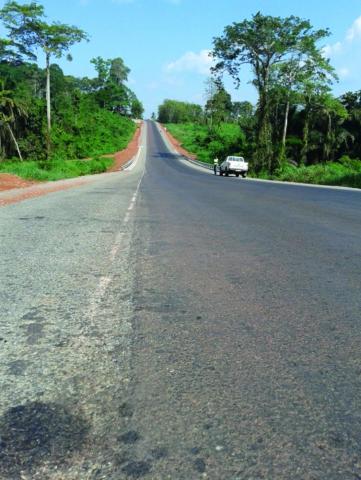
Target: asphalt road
x,y
185,327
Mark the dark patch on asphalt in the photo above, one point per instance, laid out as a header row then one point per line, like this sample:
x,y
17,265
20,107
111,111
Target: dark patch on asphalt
x,y
207,426
38,433
33,314
159,452
17,367
130,437
195,451
137,469
200,465
121,459
126,410
34,332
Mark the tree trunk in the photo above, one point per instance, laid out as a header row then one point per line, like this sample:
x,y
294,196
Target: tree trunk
x,y
285,125
284,135
48,106
306,129
328,143
15,142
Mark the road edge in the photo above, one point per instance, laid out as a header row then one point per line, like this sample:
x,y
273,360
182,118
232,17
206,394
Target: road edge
x,y
249,179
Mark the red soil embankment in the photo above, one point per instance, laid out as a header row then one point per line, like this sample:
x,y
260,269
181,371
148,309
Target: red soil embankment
x,y
8,181
122,157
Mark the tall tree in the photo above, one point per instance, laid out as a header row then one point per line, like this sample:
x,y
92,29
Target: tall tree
x,y
290,77
26,25
263,42
10,111
119,72
219,106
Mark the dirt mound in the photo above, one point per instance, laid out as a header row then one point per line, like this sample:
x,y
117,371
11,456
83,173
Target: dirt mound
x,y
7,182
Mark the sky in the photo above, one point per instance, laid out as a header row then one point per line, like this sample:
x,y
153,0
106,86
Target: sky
x,y
165,43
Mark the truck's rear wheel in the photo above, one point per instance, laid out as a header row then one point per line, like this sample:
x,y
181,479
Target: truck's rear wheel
x,y
237,174
244,175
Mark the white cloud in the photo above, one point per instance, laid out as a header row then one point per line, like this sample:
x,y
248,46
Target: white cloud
x,y
343,72
352,34
330,50
355,30
199,62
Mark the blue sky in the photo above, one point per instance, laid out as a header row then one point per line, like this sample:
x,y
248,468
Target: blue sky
x,y
165,42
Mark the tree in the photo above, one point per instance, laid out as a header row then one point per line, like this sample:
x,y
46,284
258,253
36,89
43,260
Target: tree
x,y
335,113
102,68
174,111
118,72
263,42
291,76
10,110
219,106
242,111
25,24
110,91
137,108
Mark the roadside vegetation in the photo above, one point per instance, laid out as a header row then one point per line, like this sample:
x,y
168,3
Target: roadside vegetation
x,y
49,120
56,169
297,131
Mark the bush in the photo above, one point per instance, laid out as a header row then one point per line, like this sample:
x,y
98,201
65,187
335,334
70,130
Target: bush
x,y
346,172
91,134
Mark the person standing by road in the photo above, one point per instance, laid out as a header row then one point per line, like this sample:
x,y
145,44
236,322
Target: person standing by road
x,y
215,165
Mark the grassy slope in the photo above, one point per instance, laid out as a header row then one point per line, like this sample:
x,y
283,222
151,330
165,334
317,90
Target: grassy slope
x,y
191,138
56,170
345,172
107,137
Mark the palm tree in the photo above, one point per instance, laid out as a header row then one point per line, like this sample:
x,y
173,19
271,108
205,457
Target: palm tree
x,y
10,111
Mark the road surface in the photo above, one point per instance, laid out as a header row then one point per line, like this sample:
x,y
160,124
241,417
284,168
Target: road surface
x,y
164,323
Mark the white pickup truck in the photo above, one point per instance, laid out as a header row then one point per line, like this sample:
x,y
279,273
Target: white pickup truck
x,y
235,165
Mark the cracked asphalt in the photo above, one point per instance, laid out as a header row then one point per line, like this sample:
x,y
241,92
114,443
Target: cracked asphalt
x,y
207,327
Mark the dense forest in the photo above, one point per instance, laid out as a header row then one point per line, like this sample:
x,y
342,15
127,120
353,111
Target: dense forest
x,y
47,116
298,130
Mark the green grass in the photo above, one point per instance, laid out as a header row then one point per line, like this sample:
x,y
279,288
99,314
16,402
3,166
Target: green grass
x,y
56,169
192,138
224,139
345,172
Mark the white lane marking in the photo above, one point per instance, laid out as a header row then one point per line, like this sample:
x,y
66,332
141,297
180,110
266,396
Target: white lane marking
x,y
97,297
118,239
